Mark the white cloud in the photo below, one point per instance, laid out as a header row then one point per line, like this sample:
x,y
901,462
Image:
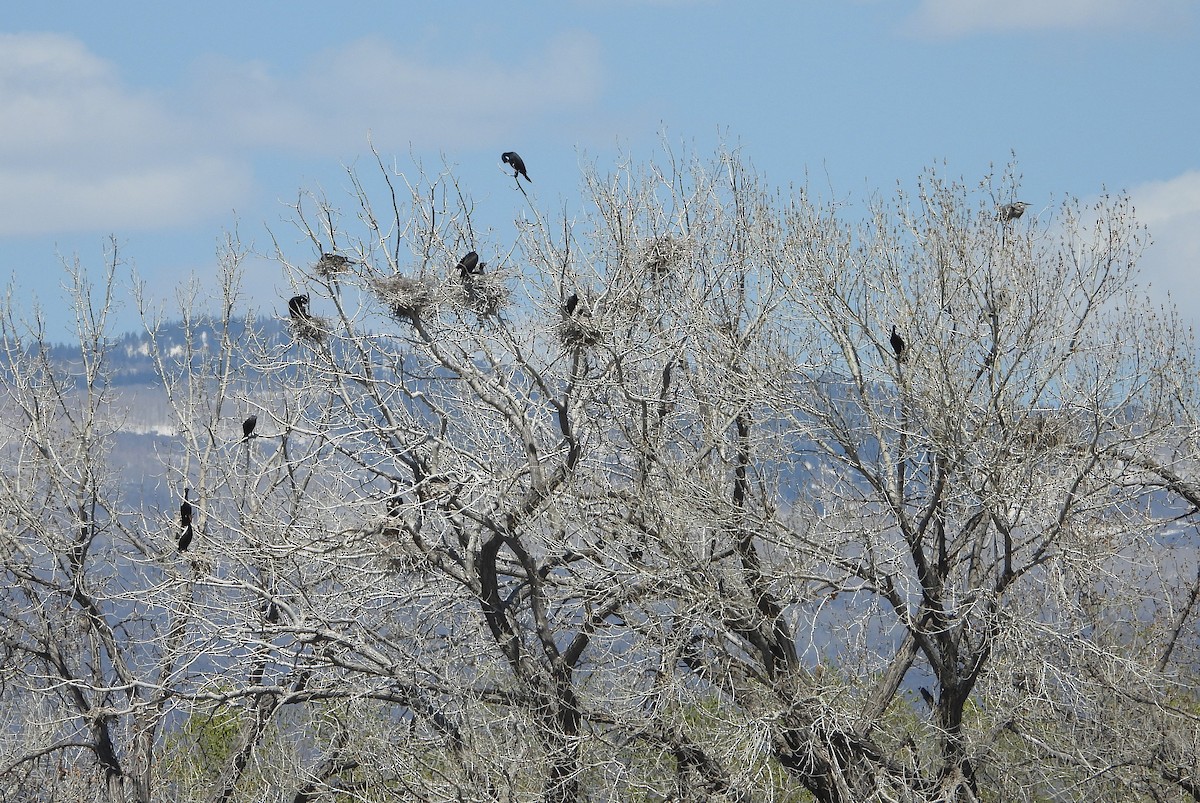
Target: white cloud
x,y
1171,211
459,99
959,17
81,150
46,201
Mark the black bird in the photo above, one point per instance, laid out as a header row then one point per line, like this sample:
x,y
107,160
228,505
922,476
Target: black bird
x,y
470,265
298,307
248,427
572,303
927,696
185,521
1012,211
897,344
514,161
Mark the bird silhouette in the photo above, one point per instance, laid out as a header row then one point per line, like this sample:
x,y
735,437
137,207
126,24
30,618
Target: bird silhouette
x,y
248,427
572,303
185,521
1010,212
470,265
897,344
298,307
514,161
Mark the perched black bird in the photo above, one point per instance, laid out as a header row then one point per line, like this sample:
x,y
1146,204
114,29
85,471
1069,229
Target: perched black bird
x,y
298,307
514,161
897,344
185,510
185,522
572,303
470,265
248,427
927,696
1012,211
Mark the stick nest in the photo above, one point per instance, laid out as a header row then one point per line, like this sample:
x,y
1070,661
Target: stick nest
x,y
330,265
310,327
660,255
579,330
407,298
485,294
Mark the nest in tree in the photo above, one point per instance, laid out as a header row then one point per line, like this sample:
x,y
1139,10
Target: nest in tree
x,y
579,329
484,293
662,254
407,298
310,327
329,265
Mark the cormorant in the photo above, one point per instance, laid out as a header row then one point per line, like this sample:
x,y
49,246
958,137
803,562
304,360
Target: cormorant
x,y
470,265
335,261
248,427
572,303
1009,212
395,503
185,521
298,307
897,344
514,161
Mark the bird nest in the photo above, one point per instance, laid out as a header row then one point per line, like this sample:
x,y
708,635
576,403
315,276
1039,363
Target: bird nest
x,y
310,327
660,255
405,297
579,330
485,294
330,265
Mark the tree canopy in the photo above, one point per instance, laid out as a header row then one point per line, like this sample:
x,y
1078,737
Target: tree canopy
x,y
654,507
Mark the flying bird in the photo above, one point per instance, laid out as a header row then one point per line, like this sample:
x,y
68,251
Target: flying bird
x,y
185,522
298,307
572,303
1010,212
514,161
470,265
248,427
897,344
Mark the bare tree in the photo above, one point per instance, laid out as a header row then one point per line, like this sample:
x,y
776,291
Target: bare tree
x,y
645,504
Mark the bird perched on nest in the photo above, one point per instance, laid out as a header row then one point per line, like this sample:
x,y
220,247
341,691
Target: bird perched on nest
x,y
572,303
298,307
514,161
1010,212
329,264
470,265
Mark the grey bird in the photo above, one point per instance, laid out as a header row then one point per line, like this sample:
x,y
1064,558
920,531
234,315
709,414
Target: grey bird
x,y
1010,212
514,161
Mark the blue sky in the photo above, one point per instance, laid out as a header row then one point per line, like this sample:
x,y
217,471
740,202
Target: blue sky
x,y
166,125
